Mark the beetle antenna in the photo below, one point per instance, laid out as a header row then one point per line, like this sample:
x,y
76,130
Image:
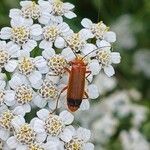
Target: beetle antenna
x,y
94,51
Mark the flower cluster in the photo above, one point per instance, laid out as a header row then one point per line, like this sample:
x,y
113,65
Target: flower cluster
x,y
34,53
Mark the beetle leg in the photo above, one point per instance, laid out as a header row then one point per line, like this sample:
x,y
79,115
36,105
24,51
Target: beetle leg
x,y
67,70
86,95
64,89
88,74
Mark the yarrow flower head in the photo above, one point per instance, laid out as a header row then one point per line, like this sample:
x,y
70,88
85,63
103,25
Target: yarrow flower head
x,y
38,55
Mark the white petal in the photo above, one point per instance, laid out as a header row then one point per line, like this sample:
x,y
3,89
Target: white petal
x,y
110,36
83,134
94,67
12,142
115,57
109,70
18,121
68,6
93,91
9,98
46,45
25,3
5,33
36,30
14,13
87,23
4,134
26,108
45,17
85,105
21,147
86,34
39,101
70,15
3,45
11,65
89,50
68,54
103,44
48,53
19,111
30,45
13,49
88,146
67,117
2,84
35,77
52,104
43,114
67,134
59,42
40,62
41,137
39,126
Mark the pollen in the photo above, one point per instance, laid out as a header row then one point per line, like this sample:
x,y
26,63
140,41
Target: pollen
x,y
25,134
57,64
75,42
104,57
54,125
5,119
31,11
74,144
20,35
58,8
35,147
24,94
4,57
50,33
26,66
99,30
48,90
2,94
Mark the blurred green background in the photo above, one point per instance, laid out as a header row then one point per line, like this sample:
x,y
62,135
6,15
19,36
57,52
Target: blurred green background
x,y
130,19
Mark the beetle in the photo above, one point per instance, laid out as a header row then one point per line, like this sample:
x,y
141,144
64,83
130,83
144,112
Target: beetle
x,y
76,84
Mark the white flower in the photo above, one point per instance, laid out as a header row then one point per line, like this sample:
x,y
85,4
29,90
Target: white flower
x,y
23,35
8,53
99,30
105,58
31,11
57,62
31,69
77,42
47,93
80,140
6,117
24,135
53,125
3,79
55,33
58,9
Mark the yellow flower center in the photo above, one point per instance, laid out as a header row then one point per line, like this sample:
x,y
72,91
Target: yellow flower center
x,y
5,120
25,134
26,66
35,147
58,8
75,42
24,94
50,33
53,125
2,94
99,29
48,90
104,57
4,57
74,144
20,35
31,11
57,64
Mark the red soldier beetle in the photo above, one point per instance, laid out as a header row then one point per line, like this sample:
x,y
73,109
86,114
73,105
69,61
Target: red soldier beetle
x,y
76,84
